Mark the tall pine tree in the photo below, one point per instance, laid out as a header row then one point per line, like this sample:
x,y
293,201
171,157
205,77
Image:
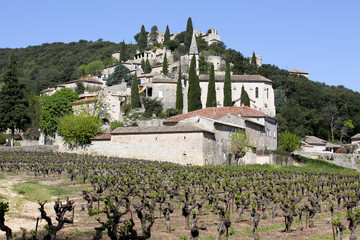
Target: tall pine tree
x,y
194,92
244,98
147,66
179,95
211,94
135,96
253,59
227,87
142,41
188,34
167,36
165,66
13,105
123,56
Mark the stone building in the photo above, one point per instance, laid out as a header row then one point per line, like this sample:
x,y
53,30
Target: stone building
x,y
299,72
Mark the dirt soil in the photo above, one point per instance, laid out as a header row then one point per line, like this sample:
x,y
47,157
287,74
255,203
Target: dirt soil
x,y
24,213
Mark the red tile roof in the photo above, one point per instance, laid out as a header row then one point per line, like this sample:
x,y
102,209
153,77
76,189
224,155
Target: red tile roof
x,y
81,101
297,71
218,112
104,136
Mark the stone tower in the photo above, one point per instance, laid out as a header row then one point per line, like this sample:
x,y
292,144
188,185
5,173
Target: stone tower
x,y
194,52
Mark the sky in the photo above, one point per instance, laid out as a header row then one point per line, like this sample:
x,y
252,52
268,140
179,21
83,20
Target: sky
x,y
320,37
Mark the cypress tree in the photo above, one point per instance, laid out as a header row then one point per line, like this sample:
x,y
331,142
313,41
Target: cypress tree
x,y
123,57
211,94
13,104
135,96
142,42
143,65
167,36
227,87
179,95
194,92
188,34
165,66
244,98
253,59
147,66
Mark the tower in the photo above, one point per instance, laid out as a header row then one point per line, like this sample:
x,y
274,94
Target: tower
x,y
194,52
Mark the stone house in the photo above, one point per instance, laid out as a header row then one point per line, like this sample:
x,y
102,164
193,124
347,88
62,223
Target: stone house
x,y
355,140
299,72
314,144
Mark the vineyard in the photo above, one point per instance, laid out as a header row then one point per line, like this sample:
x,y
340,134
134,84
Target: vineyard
x,y
110,198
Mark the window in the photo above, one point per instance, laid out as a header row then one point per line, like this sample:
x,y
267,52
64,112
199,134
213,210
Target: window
x,y
256,92
267,93
160,94
113,108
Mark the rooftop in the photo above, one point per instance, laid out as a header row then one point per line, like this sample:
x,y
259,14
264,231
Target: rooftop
x,y
357,136
236,78
85,100
218,112
314,140
104,136
297,71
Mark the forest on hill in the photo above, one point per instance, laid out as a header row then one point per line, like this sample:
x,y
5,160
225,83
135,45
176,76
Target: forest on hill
x,y
303,107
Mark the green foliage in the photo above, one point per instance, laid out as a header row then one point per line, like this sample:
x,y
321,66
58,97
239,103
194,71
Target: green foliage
x,y
147,66
152,107
167,36
54,107
35,102
2,139
142,39
280,99
165,66
239,143
211,94
318,163
227,87
153,36
121,74
194,92
244,98
179,95
13,105
289,142
203,65
123,55
253,59
135,96
181,37
217,48
126,108
202,44
115,124
188,34
77,130
80,88
94,68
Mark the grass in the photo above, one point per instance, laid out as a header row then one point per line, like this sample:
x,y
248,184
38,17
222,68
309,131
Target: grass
x,y
2,176
34,191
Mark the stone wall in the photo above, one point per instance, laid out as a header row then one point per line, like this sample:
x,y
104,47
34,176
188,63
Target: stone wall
x,y
34,148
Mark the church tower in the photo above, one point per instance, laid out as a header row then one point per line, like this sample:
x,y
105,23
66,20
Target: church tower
x,y
194,52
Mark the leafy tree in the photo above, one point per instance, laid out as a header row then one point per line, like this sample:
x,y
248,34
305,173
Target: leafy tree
x,y
253,59
179,94
152,107
94,68
280,99
188,34
194,92
143,65
211,94
142,40
13,105
331,112
289,142
181,37
167,36
110,61
244,98
153,36
135,96
202,44
123,56
35,103
203,65
77,130
217,48
227,87
346,128
165,66
121,74
54,107
148,68
115,124
239,144
80,88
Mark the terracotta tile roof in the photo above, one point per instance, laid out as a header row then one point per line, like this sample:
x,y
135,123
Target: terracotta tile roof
x,y
178,128
218,112
297,71
235,78
314,140
81,101
104,136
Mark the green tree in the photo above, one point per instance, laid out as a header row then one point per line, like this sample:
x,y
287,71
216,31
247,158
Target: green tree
x,y
77,130
121,74
280,99
188,34
80,88
239,144
142,41
211,94
346,128
148,68
115,124
167,36
152,107
13,105
165,66
123,56
54,107
179,95
153,36
194,92
135,96
94,68
289,142
203,65
253,59
244,98
227,87
143,65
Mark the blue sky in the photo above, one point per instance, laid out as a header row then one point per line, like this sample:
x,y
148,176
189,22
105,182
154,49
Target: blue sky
x,y
316,36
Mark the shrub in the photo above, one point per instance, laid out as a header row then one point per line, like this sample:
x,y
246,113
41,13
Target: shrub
x,y
126,109
2,138
78,129
152,106
115,124
289,142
